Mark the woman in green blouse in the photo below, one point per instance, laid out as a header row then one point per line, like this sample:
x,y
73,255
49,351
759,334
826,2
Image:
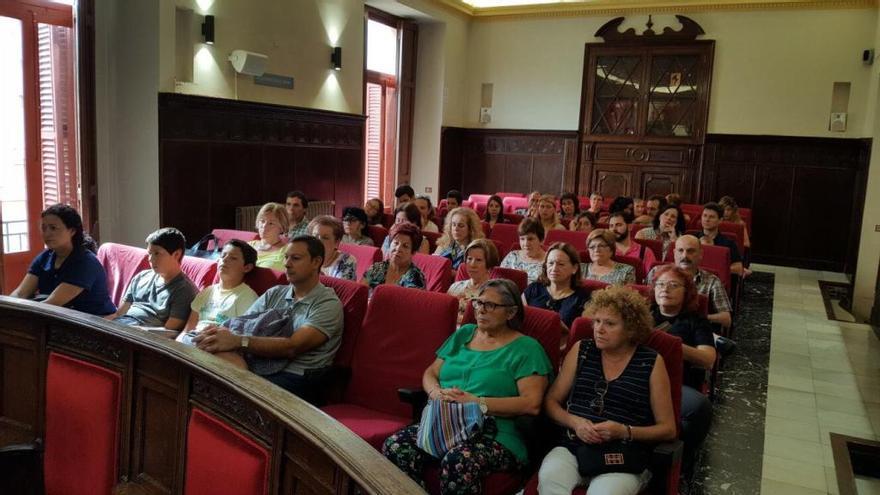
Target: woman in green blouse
x,y
491,363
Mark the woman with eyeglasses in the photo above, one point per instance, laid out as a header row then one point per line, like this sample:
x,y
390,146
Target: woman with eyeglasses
x,y
559,286
610,388
480,257
601,244
491,363
675,311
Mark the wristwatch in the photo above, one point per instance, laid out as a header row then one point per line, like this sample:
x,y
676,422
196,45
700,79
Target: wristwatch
x,y
483,407
245,341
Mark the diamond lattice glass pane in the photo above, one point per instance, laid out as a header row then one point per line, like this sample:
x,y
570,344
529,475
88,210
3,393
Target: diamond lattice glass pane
x,y
672,96
615,106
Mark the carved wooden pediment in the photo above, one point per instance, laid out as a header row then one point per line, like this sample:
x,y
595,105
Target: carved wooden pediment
x,y
688,32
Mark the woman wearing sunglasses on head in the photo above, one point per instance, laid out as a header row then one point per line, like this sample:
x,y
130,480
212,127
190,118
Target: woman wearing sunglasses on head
x,y
611,391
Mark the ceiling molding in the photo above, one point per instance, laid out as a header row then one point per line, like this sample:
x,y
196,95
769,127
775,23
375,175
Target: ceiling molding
x,y
618,7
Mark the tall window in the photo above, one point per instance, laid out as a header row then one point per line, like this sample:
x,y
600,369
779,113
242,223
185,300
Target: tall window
x,y
381,108
38,147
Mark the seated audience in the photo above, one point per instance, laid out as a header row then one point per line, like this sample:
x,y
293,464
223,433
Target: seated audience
x,y
480,257
530,257
337,264
354,223
609,389
666,227
532,209
454,199
675,311
596,204
426,209
462,227
710,235
602,267
623,243
491,363
674,199
375,209
404,194
398,268
688,255
494,211
547,213
638,207
620,203
407,212
162,295
228,298
296,206
731,214
559,286
66,273
272,223
569,207
583,222
653,206
315,317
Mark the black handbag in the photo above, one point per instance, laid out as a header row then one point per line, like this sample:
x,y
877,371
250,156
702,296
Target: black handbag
x,y
200,249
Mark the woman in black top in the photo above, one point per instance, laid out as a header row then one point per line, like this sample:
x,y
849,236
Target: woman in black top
x,y
675,311
559,286
609,388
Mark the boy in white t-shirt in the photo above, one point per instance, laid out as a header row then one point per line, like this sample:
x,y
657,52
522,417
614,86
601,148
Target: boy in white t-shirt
x,y
229,298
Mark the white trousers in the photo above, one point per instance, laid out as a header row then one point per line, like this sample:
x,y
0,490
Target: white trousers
x,y
559,476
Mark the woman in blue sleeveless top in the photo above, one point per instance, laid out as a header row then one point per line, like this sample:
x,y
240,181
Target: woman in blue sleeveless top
x,y
67,273
610,388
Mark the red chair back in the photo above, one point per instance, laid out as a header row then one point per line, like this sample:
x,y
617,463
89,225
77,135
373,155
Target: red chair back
x,y
505,233
594,284
634,228
746,215
542,325
221,236
262,279
645,290
377,233
221,459
633,262
364,256
437,270
735,231
519,277
513,218
717,259
578,240
354,306
656,246
432,238
477,199
512,204
503,195
121,263
391,354
82,426
387,220
200,270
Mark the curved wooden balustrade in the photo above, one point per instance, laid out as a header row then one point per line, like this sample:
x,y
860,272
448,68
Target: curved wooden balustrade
x,y
162,380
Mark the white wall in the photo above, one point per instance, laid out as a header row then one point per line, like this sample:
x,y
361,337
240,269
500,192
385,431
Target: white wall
x,y
773,73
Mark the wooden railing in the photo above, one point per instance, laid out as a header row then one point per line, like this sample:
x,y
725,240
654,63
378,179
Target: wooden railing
x,y
162,381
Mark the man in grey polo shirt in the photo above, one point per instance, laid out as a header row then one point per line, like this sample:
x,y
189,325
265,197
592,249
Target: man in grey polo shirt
x,y
316,317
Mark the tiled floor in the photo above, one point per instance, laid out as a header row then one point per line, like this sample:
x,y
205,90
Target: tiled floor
x,y
824,377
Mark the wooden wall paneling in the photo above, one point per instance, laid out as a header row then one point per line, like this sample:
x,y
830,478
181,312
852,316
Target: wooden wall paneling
x,y
232,180
306,469
316,167
22,382
547,173
278,169
614,180
451,160
186,191
348,182
821,206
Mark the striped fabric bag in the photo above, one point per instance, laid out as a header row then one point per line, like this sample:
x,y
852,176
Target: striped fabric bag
x,y
446,424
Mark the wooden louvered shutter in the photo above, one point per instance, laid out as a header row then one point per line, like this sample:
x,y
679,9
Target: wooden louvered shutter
x,y
374,141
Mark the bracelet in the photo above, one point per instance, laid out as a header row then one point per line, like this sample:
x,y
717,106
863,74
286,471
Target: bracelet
x,y
629,433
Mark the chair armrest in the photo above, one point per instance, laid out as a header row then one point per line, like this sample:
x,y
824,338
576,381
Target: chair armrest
x,y
415,397
666,467
21,468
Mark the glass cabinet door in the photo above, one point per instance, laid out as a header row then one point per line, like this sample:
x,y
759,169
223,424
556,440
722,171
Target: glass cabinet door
x,y
617,95
673,95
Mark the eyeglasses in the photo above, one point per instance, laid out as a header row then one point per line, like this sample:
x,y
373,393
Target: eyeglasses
x,y
672,285
488,305
597,405
597,246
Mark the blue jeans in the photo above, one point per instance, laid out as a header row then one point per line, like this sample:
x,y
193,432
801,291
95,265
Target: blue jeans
x,y
696,418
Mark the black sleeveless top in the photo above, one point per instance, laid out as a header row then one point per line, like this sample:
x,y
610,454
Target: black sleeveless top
x,y
628,397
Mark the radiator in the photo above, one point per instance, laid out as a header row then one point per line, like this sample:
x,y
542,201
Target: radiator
x,y
246,216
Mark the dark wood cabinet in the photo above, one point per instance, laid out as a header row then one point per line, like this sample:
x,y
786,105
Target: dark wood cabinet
x,y
645,103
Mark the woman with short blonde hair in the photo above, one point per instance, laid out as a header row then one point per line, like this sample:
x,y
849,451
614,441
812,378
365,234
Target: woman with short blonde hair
x,y
272,225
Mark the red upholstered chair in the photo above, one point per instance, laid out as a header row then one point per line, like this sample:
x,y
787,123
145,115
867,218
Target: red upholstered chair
x,y
513,204
83,403
503,195
354,306
645,290
387,220
506,234
577,239
633,262
121,263
476,199
656,246
200,270
485,226
746,215
634,228
221,459
377,233
402,330
221,236
364,256
262,279
666,460
594,284
735,231
717,259
513,218
437,270
432,238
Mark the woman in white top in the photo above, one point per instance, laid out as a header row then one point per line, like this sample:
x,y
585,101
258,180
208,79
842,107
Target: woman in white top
x,y
530,257
337,264
480,257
